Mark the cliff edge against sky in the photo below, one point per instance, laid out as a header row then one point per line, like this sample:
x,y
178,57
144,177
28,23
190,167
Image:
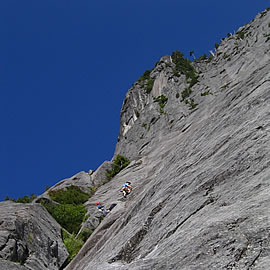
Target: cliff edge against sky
x,y
197,135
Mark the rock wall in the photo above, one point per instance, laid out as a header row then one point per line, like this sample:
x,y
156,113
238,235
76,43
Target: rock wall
x,y
31,237
202,184
200,168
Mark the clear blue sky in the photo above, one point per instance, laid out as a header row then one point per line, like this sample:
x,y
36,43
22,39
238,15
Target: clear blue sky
x,y
65,67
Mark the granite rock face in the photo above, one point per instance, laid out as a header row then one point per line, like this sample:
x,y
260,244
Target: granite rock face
x,y
29,238
202,173
200,159
8,265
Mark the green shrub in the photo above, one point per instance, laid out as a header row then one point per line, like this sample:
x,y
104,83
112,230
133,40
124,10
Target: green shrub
x,y
210,58
93,189
177,95
192,104
186,93
119,163
216,45
24,199
149,86
144,125
72,244
70,195
206,93
145,79
224,86
184,66
203,57
161,100
240,35
85,234
192,78
69,216
145,76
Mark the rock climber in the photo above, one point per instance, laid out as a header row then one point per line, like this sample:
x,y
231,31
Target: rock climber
x,y
102,209
126,189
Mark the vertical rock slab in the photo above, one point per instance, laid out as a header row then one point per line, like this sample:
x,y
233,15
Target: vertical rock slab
x,y
30,237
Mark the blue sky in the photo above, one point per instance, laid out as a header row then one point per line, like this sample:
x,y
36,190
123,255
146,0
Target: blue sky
x,y
65,67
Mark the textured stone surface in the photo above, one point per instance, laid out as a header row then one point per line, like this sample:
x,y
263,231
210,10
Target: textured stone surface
x,y
202,176
98,177
30,236
81,180
85,181
8,265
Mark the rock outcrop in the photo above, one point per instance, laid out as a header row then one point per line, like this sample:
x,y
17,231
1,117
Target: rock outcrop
x,y
202,184
29,238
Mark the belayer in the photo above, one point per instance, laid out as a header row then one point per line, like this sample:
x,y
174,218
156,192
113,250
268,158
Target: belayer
x,y
126,189
102,209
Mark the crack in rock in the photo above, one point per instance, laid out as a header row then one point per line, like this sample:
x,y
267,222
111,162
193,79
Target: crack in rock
x,y
128,252
207,202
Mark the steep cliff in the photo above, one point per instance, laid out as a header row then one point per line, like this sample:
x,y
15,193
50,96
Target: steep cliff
x,y
197,135
199,141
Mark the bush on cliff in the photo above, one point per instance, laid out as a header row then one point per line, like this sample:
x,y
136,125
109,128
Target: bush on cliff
x,y
24,199
70,195
68,210
119,163
69,216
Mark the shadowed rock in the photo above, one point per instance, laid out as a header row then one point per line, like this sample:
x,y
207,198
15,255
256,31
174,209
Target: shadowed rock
x,y
30,237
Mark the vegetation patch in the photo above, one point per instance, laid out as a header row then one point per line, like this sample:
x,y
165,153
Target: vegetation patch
x,y
184,66
146,81
24,199
93,189
70,195
85,234
224,86
144,125
206,93
225,55
240,35
119,163
210,58
72,244
69,216
161,100
186,93
149,86
145,76
67,207
191,103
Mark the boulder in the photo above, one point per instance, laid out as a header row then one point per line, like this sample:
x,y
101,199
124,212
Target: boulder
x,y
30,237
